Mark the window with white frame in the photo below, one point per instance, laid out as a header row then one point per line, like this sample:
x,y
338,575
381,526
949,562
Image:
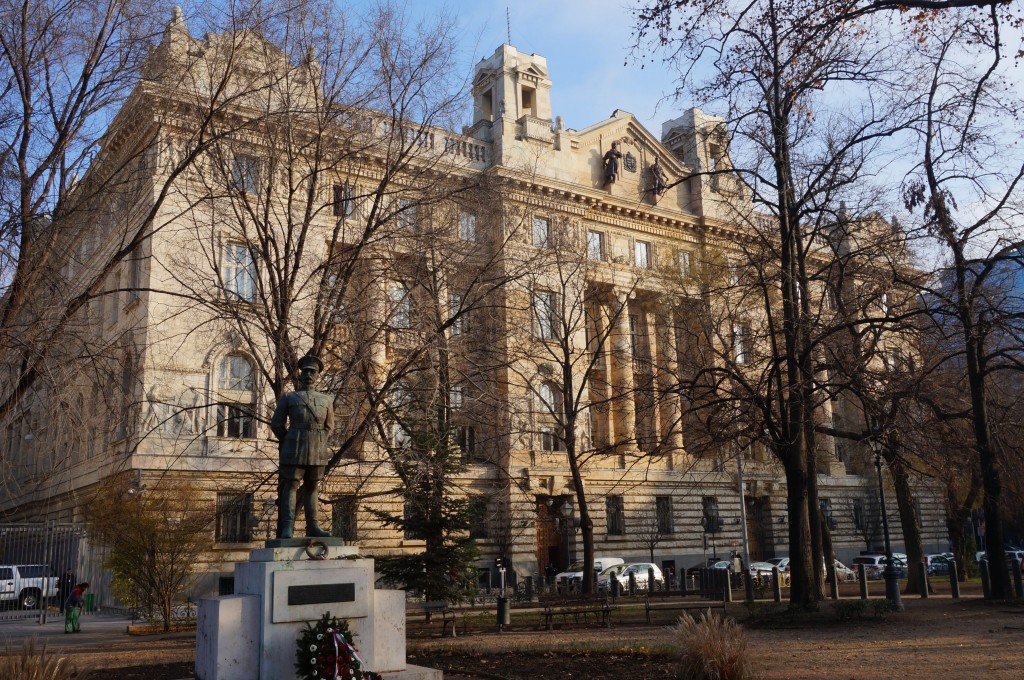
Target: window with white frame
x,y
550,410
684,264
401,306
455,397
734,273
542,232
239,272
245,173
595,246
741,343
458,316
642,254
545,307
407,214
467,226
236,385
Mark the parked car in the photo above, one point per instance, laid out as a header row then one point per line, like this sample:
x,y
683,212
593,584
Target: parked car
x,y
574,573
781,562
937,565
875,564
694,571
844,573
26,583
639,571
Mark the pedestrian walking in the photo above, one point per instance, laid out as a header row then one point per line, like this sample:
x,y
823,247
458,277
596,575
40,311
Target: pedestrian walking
x,y
65,584
73,608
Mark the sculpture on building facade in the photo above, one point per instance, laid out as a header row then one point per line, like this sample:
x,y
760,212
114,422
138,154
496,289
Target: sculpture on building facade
x,y
658,177
611,163
301,422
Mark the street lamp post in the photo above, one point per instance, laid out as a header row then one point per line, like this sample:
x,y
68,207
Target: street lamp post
x,y
892,584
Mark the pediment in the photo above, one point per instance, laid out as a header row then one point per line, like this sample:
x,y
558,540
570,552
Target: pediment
x,y
623,127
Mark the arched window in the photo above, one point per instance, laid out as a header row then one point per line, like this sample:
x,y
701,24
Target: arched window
x,y
236,399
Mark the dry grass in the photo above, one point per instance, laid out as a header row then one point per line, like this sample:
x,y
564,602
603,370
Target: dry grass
x,y
34,663
712,648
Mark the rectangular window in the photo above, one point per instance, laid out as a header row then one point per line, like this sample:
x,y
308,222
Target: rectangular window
x,y
710,519
413,520
235,422
467,226
741,343
827,515
233,512
663,508
115,297
684,264
239,272
642,254
859,521
616,515
134,274
457,314
479,513
549,439
245,173
595,246
400,437
467,440
407,214
455,397
344,511
542,232
734,274
401,306
342,204
545,307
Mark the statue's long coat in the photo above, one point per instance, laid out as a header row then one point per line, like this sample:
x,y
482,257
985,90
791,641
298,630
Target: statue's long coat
x,y
310,417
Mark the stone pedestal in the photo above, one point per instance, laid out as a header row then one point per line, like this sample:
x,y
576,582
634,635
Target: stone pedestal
x,y
252,634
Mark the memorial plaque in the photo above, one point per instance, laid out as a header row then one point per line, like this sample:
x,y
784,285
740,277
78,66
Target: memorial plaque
x,y
321,593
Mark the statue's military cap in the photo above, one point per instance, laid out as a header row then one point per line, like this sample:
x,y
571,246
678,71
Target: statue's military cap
x,y
311,361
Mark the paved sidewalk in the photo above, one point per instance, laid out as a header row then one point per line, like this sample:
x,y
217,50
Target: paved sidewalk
x,y
97,630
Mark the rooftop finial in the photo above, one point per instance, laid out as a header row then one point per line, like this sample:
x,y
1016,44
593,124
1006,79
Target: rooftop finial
x,y
176,14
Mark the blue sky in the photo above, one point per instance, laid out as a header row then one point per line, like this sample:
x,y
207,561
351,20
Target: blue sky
x,y
586,45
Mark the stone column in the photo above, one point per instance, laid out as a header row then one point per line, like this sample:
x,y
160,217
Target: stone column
x,y
671,401
624,406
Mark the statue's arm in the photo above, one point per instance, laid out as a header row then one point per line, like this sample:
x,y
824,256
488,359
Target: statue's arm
x,y
280,418
329,420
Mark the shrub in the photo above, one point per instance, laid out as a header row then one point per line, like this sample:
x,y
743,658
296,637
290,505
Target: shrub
x,y
37,664
711,648
850,610
882,608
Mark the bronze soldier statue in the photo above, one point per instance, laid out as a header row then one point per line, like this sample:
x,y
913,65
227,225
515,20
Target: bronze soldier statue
x,y
611,163
303,447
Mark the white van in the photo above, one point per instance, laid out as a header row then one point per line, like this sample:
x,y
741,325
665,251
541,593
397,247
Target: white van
x,y
575,571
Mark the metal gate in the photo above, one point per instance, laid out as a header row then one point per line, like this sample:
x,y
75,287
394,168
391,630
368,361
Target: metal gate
x,y
37,562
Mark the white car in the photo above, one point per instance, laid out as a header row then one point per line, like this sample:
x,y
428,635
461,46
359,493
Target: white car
x,y
638,570
575,571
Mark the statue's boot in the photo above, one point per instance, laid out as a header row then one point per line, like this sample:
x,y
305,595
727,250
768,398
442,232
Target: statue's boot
x,y
312,525
286,509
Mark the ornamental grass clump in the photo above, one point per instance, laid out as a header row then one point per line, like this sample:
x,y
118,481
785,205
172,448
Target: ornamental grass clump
x,y
36,663
711,648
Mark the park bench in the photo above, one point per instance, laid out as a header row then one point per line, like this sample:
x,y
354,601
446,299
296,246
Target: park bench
x,y
577,606
677,600
447,614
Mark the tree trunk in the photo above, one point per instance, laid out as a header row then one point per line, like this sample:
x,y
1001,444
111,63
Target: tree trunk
x,y
908,521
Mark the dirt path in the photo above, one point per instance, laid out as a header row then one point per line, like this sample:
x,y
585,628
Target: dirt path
x,y
938,637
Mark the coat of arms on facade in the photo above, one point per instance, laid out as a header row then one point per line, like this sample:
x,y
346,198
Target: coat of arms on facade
x,y
629,162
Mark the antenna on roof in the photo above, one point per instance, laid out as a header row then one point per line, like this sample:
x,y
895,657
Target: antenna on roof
x,y
508,24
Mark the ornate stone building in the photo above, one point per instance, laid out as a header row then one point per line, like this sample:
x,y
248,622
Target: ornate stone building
x,y
522,280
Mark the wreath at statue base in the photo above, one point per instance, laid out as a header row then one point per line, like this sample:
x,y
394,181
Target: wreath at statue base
x,y
325,652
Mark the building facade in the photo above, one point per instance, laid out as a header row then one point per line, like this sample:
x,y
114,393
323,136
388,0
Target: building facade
x,y
522,290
